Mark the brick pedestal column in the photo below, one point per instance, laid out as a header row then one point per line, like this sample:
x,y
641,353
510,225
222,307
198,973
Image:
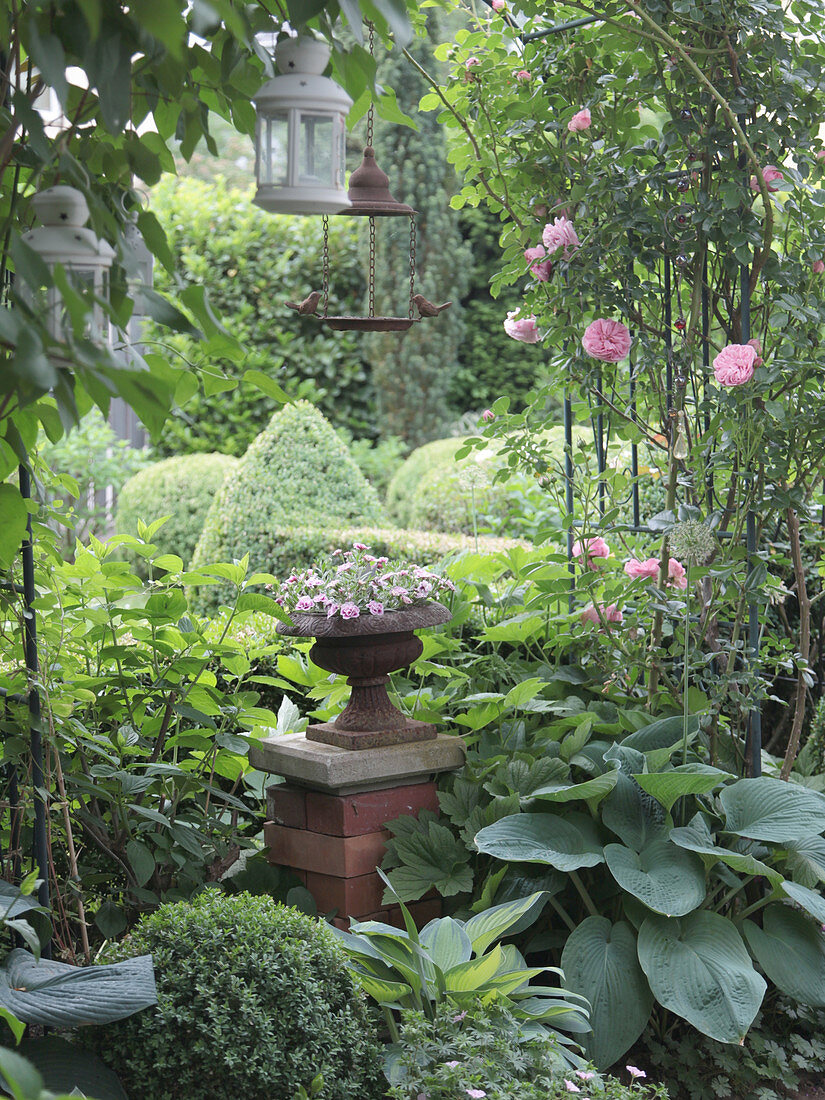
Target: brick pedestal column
x,y
327,820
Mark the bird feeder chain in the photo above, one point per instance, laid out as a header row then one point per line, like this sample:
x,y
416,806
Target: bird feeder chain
x,y
412,266
372,267
325,268
371,109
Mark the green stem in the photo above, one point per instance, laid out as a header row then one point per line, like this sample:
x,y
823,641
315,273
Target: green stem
x,y
391,1024
562,912
756,905
588,901
685,706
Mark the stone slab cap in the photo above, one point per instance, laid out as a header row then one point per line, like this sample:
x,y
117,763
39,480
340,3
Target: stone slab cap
x,y
343,771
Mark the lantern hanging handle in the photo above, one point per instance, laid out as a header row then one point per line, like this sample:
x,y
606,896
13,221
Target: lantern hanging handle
x,y
325,268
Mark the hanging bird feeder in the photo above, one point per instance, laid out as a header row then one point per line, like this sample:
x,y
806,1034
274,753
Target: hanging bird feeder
x,y
300,133
370,197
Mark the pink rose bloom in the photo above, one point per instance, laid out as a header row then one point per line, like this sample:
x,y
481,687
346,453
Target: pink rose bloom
x,y
375,607
771,173
560,233
523,76
305,603
817,267
642,570
541,272
488,415
610,614
520,328
735,364
676,575
756,344
635,1072
594,548
821,154
606,340
580,121
496,5
533,254
349,610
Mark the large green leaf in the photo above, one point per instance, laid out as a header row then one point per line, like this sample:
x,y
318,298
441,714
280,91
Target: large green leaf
x,y
667,786
474,974
596,789
633,815
661,734
431,856
665,878
66,1066
56,994
806,859
13,518
697,837
496,921
600,963
790,948
563,842
769,809
698,968
810,900
446,942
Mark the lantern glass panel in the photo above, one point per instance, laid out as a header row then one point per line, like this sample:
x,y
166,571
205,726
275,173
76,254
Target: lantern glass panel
x,y
316,151
273,154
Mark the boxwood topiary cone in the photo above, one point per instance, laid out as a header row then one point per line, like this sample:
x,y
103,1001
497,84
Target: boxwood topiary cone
x,y
297,473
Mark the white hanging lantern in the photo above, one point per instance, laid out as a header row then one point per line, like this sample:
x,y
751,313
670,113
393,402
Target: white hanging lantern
x,y
64,239
300,137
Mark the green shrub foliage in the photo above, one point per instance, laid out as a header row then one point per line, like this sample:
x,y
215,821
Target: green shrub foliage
x,y
251,262
254,1000
181,488
296,472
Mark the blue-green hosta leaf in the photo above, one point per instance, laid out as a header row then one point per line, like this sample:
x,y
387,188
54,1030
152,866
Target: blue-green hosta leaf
x,y
564,842
698,968
599,962
697,837
66,1067
661,734
526,777
769,809
500,919
667,786
632,814
446,942
665,878
811,900
58,995
806,859
790,948
594,789
431,857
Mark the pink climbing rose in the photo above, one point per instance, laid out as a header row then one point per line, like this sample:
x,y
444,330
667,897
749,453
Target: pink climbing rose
x,y
560,233
642,570
676,575
606,340
818,267
497,5
580,121
523,76
521,328
735,364
592,548
610,614
771,173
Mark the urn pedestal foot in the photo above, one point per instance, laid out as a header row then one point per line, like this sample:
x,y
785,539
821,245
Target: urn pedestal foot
x,y
330,733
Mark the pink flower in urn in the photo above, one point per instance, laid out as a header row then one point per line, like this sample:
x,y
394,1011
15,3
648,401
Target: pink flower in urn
x,y
592,548
735,364
375,607
818,267
771,174
305,603
332,608
635,1072
606,340
642,570
349,610
523,76
676,575
521,328
560,233
488,415
570,1086
580,121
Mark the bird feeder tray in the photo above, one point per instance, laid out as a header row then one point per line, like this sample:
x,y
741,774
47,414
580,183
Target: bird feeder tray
x,y
368,324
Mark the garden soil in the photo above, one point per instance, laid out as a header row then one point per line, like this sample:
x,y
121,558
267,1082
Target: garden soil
x,y
813,1091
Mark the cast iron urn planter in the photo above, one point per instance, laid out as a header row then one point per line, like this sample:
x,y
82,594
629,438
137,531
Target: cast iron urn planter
x,y
366,650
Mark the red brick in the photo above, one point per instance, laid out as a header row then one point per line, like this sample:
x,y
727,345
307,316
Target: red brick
x,y
355,814
343,922
351,897
422,912
342,856
286,805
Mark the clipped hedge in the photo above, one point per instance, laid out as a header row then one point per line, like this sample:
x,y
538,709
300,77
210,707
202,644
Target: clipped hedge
x,y
254,1000
420,463
301,546
182,488
297,472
